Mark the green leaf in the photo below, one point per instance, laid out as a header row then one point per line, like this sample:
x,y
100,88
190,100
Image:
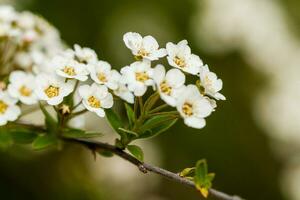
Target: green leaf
x,y
161,126
23,136
201,171
50,122
132,133
114,120
210,177
130,115
187,172
202,179
5,138
77,133
44,141
136,151
105,153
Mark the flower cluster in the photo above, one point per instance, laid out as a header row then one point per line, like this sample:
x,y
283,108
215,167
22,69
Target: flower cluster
x,y
27,41
98,83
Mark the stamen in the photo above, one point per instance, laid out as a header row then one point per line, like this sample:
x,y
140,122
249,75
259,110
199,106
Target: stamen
x,y
187,109
165,88
3,107
70,71
94,102
141,76
179,61
102,77
52,91
25,91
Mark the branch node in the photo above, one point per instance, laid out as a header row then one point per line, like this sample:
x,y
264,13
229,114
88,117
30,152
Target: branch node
x,y
142,168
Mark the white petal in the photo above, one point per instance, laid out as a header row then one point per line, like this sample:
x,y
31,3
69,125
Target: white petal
x,y
100,112
127,96
140,90
195,122
150,43
175,78
107,102
168,99
132,40
12,113
55,100
159,74
3,121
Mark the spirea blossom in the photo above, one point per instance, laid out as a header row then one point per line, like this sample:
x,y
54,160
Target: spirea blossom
x,y
22,87
102,74
96,98
143,47
9,111
210,83
180,56
52,89
138,76
193,107
169,84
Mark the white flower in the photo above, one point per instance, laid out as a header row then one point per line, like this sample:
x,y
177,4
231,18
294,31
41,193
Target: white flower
x,y
211,84
96,98
85,55
193,107
22,87
180,56
123,92
169,84
137,77
143,47
69,68
8,109
7,14
102,74
52,88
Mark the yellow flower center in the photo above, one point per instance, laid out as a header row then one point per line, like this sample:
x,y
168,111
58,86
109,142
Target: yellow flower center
x,y
25,91
69,70
179,61
165,88
142,52
94,102
52,91
102,77
3,107
187,109
141,76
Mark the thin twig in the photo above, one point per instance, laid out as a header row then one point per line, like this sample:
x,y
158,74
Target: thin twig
x,y
144,167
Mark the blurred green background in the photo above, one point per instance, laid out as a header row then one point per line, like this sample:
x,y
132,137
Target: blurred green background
x,y
237,147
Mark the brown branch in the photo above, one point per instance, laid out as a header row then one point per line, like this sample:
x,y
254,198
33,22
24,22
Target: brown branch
x,y
144,167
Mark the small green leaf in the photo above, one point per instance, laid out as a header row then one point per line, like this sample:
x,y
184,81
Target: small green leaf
x,y
187,172
114,120
202,179
5,138
132,133
105,153
76,133
210,177
136,151
23,136
160,128
44,141
50,122
130,115
201,171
